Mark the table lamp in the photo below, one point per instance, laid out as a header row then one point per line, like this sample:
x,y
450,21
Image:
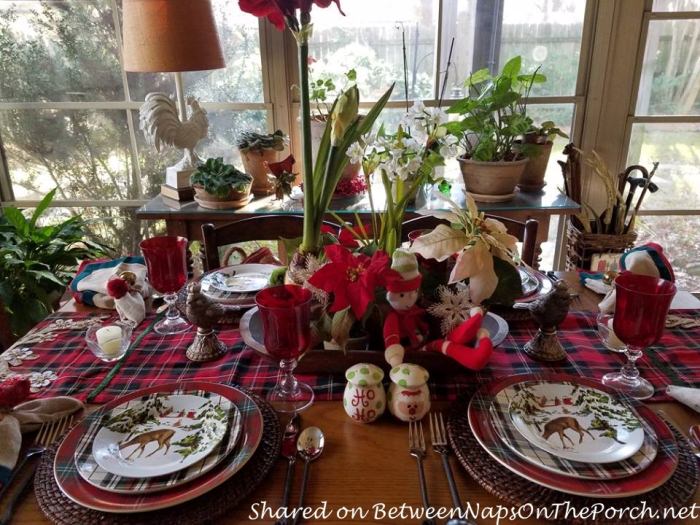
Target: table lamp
x,y
172,36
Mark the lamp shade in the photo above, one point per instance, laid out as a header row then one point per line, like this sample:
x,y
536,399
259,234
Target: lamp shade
x,y
170,35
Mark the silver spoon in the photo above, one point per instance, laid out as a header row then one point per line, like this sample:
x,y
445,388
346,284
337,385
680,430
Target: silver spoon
x,y
309,445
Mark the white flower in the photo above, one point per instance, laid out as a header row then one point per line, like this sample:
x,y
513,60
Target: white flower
x,y
356,152
436,117
450,147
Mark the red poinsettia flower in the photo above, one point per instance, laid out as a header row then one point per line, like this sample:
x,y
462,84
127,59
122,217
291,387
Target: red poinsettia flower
x,y
352,279
281,167
348,240
276,11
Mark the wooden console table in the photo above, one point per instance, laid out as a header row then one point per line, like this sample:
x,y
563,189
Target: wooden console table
x,y
186,219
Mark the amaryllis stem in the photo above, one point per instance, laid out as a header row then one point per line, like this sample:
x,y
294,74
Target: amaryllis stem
x,y
310,239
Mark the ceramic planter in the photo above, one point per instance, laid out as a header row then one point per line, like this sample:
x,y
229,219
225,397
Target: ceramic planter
x,y
234,199
254,165
364,399
532,179
491,181
409,398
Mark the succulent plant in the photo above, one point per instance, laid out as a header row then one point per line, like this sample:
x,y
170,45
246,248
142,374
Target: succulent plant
x,y
218,178
252,141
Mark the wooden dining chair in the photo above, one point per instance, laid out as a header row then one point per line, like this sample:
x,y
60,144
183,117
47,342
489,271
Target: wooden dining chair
x,y
262,228
525,232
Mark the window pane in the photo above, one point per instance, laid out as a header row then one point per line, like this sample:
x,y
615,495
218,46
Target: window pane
x,y
369,39
241,80
117,227
224,127
58,51
675,147
546,34
141,84
85,153
676,5
680,237
670,82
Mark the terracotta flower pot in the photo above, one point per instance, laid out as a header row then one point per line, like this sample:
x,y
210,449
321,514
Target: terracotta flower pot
x,y
254,165
532,179
234,199
491,181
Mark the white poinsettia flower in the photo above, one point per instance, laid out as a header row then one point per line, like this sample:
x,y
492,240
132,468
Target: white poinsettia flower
x,y
356,152
475,262
471,204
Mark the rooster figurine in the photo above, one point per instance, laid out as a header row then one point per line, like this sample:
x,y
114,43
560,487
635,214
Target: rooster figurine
x,y
548,311
205,315
162,126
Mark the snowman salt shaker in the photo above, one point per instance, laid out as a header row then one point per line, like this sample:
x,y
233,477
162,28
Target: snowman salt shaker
x,y
364,399
409,398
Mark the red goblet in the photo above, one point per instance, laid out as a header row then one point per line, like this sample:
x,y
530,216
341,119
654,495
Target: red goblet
x,y
286,318
166,260
641,305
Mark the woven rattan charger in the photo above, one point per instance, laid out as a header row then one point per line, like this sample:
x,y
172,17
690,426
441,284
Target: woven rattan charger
x,y
207,508
517,491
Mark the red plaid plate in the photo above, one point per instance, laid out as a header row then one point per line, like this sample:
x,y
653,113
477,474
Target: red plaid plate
x,y
81,492
91,472
658,472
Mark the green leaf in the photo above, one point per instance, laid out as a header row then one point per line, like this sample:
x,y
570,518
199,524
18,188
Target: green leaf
x,y
509,286
16,219
48,198
512,67
341,325
479,76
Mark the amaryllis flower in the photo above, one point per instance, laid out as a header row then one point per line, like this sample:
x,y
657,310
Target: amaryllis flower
x,y
352,279
281,167
276,11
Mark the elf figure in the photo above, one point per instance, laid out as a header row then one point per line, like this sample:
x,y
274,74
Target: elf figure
x,y
406,327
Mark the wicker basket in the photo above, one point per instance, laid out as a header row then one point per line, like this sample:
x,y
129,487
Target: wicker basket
x,y
580,246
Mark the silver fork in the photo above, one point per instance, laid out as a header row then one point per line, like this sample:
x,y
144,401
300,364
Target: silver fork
x,y
416,445
438,439
48,433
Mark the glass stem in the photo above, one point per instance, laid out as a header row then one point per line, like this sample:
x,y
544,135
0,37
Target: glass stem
x,y
287,383
629,370
172,312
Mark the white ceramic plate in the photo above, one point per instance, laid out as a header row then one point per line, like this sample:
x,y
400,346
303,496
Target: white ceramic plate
x,y
575,422
239,278
160,435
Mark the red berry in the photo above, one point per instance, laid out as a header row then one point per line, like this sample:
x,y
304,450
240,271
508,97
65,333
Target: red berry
x,y
117,287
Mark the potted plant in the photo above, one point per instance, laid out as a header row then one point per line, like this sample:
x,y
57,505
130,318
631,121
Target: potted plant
x,y
257,149
37,263
493,117
218,185
537,145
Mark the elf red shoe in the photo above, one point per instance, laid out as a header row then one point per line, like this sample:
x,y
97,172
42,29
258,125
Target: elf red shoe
x,y
472,358
466,331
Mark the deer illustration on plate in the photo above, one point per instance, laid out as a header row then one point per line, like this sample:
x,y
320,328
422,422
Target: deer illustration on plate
x,y
560,425
162,436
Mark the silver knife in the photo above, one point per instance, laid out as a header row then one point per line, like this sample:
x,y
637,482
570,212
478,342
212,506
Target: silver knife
x,y
289,451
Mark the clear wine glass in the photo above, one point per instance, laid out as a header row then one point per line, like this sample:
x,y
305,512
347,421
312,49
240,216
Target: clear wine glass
x,y
641,306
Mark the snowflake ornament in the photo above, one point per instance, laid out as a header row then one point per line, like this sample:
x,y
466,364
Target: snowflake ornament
x,y
452,308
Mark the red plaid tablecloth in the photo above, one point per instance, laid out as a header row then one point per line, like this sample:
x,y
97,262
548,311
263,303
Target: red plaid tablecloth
x,y
160,360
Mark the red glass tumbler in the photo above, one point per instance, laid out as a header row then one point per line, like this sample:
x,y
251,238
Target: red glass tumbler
x,y
166,261
285,312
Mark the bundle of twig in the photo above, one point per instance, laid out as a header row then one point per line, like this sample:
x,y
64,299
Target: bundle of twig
x,y
620,210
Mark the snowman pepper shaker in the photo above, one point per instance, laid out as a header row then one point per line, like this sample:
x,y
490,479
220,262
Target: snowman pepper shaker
x,y
409,398
364,399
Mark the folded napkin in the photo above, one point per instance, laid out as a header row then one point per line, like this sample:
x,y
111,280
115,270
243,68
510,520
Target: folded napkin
x,y
686,395
25,417
92,286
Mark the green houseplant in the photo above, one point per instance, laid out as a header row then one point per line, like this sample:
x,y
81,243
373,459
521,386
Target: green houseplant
x,y
38,262
493,117
537,145
256,149
219,185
